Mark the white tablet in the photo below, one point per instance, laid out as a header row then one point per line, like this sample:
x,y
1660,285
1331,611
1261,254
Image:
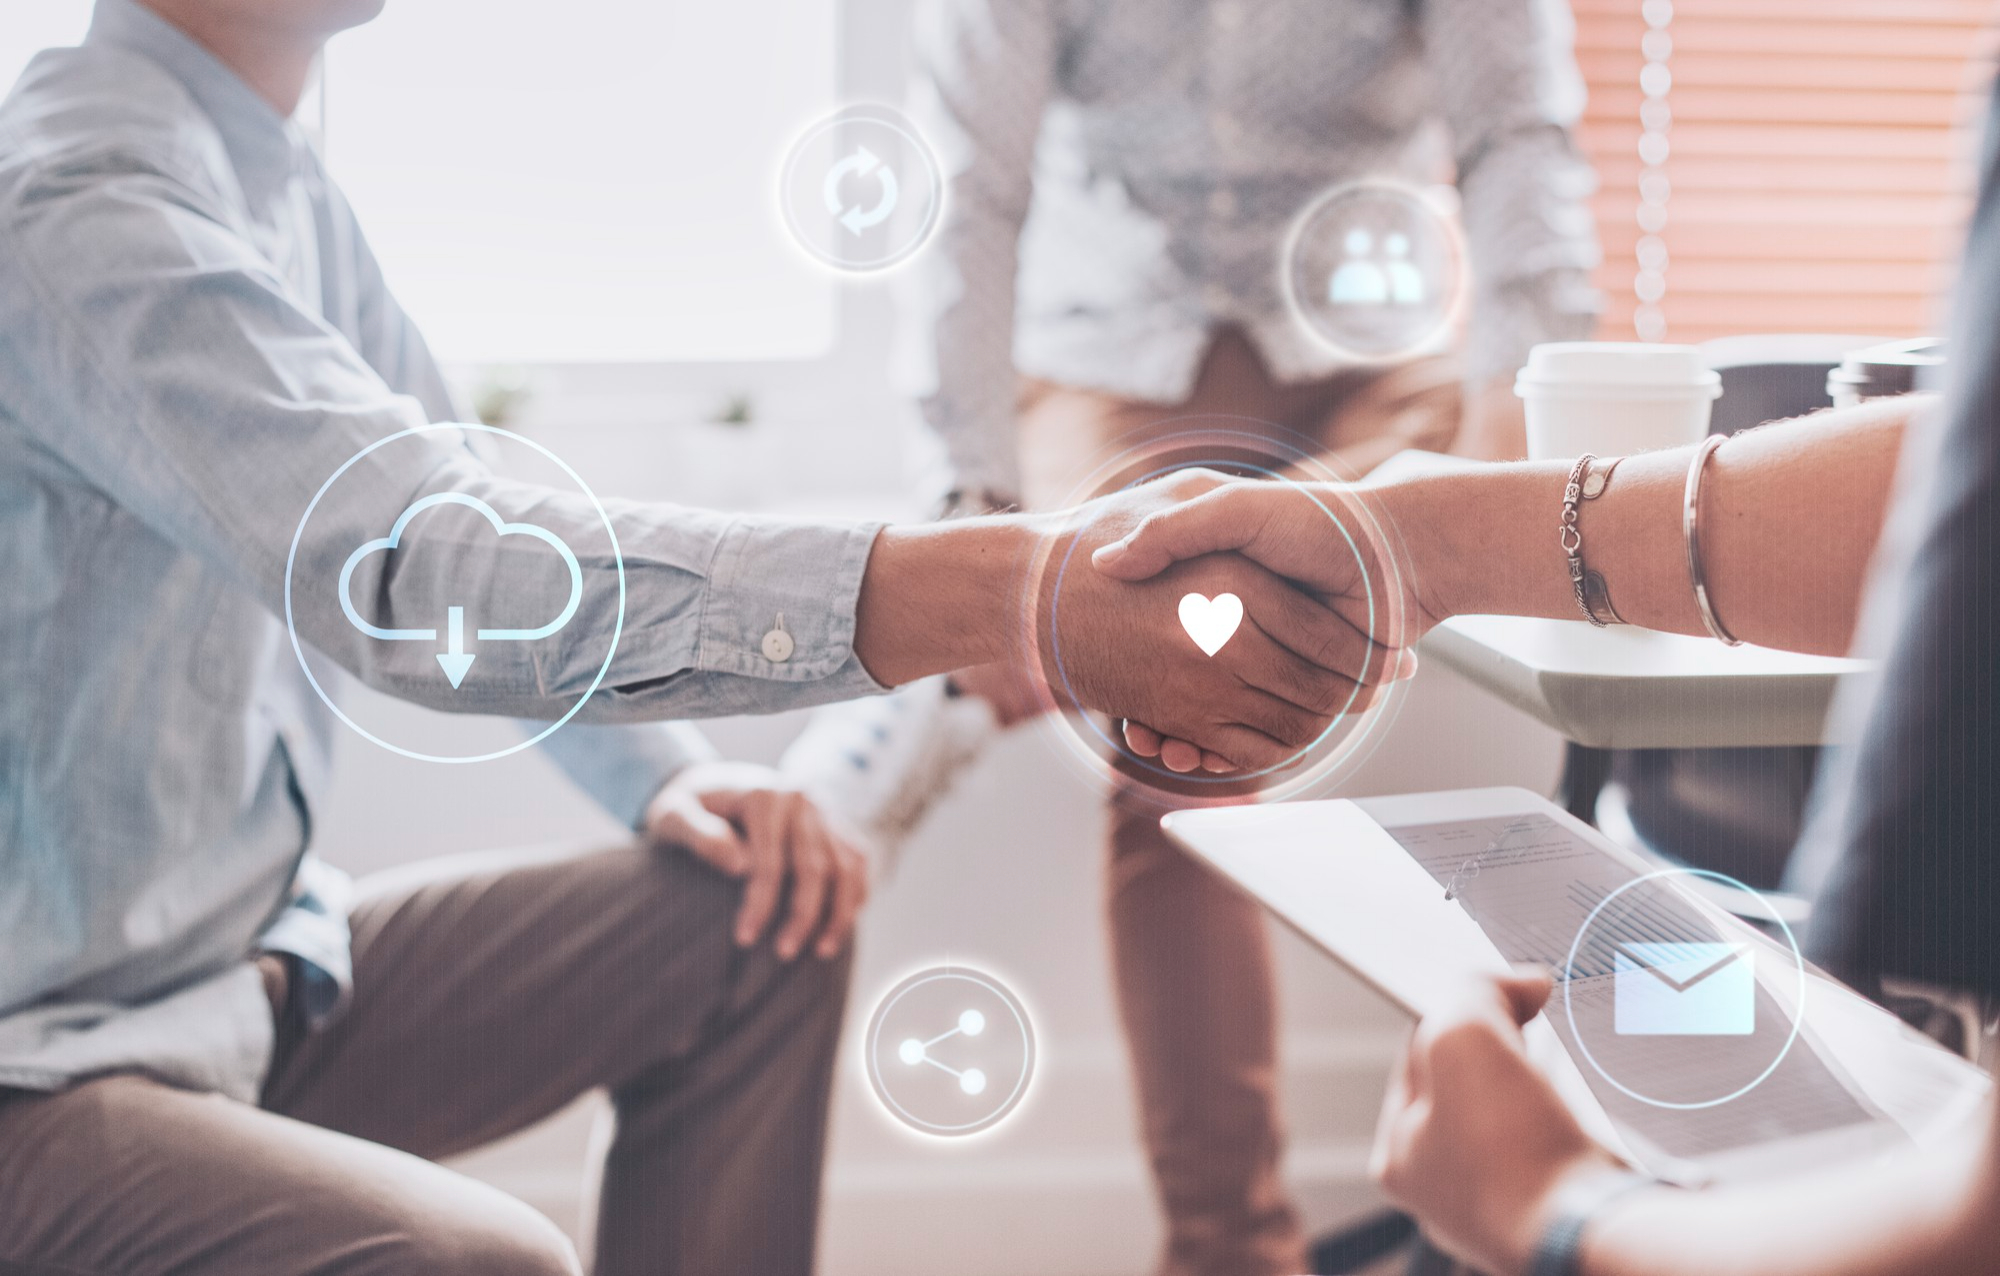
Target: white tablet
x,y
1330,871
1366,882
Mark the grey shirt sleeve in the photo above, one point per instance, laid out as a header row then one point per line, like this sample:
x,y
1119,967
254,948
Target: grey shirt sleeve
x,y
985,72
177,374
1506,77
620,765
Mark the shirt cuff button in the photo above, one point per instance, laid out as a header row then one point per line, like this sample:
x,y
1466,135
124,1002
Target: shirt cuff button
x,y
777,645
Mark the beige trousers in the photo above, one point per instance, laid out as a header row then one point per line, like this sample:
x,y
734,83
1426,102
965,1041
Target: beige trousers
x,y
490,990
1190,955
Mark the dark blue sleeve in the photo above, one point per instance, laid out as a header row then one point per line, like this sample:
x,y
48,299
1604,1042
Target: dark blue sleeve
x,y
1904,849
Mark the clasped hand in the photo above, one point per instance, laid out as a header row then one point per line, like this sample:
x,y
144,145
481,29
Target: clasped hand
x,y
1320,636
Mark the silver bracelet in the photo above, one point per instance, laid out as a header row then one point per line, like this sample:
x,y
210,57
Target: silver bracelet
x,y
1593,599
1691,530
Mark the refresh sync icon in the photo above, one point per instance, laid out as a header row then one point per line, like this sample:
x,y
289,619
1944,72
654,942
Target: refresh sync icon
x,y
455,660
861,190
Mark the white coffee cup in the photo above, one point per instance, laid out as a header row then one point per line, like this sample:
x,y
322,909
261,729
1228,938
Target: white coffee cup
x,y
1614,398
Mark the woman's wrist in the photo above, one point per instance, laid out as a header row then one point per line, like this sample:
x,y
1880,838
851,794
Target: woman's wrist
x,y
1483,541
1549,1240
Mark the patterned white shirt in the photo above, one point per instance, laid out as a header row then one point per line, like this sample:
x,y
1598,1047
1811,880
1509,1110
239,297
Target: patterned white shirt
x,y
1122,174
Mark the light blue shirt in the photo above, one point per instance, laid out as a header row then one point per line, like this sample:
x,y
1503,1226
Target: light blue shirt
x,y
193,338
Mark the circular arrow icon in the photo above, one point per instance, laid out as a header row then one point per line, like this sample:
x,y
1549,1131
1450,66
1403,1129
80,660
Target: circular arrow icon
x,y
861,190
857,219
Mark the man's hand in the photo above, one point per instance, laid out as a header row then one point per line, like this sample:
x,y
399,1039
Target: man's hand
x,y
1319,537
1474,1141
744,820
1280,681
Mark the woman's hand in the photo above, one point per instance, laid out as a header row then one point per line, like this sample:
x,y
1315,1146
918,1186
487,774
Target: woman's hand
x,y
745,821
1474,1141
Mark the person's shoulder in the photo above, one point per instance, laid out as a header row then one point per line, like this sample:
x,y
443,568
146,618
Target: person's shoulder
x,y
81,115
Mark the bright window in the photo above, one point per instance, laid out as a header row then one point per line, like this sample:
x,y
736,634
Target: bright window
x,y
1780,165
29,25
593,182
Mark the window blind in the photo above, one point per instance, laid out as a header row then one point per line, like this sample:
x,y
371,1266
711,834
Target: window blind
x,y
1780,165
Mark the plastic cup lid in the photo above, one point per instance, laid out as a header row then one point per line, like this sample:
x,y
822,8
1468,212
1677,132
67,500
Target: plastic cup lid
x,y
1621,368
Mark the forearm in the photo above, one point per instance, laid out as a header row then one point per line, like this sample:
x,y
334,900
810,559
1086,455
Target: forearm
x,y
1928,1210
943,596
1789,519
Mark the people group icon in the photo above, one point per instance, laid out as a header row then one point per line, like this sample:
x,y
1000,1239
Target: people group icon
x,y
1364,279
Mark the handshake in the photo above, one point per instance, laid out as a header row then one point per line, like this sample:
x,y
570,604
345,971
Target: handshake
x,y
1230,624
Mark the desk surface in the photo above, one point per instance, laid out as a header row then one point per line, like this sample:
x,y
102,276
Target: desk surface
x,y
1626,688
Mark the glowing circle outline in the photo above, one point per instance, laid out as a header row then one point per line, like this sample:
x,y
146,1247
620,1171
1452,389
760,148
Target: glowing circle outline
x,y
902,128
1273,439
871,1047
1448,316
617,630
1798,1018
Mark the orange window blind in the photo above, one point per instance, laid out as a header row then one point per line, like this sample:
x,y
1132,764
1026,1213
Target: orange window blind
x,y
1780,165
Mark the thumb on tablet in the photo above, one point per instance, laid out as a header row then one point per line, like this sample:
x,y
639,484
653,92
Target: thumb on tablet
x,y
1525,991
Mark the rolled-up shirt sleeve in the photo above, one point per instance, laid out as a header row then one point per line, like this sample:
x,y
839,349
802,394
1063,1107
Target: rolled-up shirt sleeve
x,y
171,366
1506,75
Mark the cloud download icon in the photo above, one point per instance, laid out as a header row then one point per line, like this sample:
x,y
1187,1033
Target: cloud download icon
x,y
455,660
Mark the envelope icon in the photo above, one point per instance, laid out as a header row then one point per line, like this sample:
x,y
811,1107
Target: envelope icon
x,y
1684,990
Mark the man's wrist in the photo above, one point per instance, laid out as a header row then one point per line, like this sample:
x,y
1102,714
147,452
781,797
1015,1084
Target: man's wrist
x,y
942,596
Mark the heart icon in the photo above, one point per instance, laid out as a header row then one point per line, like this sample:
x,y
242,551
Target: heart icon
x,y
1211,622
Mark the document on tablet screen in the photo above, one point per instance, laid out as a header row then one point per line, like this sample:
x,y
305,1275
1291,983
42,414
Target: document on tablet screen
x,y
1679,1004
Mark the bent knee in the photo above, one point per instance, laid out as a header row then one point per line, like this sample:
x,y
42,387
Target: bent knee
x,y
503,1238
809,985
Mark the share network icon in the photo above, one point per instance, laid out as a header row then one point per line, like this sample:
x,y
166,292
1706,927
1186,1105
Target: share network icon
x,y
913,1052
950,1051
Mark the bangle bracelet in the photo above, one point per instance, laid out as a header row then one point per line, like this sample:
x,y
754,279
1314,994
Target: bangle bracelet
x,y
1691,531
